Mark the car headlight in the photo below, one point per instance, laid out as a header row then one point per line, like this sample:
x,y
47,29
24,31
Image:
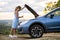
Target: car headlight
x,y
23,22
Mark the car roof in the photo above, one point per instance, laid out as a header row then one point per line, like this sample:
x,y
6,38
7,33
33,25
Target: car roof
x,y
57,8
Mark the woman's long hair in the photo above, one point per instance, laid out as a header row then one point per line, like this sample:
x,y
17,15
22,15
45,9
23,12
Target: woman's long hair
x,y
17,8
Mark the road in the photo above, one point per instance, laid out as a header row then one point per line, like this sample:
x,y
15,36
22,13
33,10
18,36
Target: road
x,y
46,36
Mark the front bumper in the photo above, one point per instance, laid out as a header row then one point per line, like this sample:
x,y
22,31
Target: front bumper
x,y
23,29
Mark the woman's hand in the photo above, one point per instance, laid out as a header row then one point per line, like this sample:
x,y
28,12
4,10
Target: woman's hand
x,y
22,8
20,17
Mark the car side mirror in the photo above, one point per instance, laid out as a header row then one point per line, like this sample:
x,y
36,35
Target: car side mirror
x,y
51,16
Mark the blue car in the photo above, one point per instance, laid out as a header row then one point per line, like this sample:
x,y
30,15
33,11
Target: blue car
x,y
36,27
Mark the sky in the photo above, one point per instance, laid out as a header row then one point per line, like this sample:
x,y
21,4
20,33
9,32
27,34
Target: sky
x,y
7,7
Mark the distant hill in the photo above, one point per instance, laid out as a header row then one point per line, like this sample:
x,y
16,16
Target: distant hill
x,y
8,22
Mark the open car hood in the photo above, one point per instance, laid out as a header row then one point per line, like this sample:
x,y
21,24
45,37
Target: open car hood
x,y
31,10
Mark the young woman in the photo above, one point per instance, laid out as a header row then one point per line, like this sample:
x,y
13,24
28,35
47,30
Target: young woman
x,y
15,21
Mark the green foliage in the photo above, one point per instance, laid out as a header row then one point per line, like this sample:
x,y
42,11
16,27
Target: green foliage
x,y
4,29
58,4
54,6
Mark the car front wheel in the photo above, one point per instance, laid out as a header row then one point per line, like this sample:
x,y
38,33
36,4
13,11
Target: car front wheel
x,y
36,31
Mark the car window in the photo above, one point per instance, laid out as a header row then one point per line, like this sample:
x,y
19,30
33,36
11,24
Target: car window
x,y
56,13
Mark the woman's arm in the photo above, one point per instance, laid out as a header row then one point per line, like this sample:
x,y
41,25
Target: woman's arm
x,y
20,17
22,8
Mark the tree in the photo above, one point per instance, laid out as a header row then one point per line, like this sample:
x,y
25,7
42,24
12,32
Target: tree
x,y
58,4
50,6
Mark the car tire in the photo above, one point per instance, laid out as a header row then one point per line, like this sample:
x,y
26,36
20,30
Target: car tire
x,y
36,31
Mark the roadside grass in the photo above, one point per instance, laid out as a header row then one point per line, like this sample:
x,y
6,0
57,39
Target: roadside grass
x,y
4,29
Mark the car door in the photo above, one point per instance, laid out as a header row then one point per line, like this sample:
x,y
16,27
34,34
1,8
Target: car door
x,y
53,23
